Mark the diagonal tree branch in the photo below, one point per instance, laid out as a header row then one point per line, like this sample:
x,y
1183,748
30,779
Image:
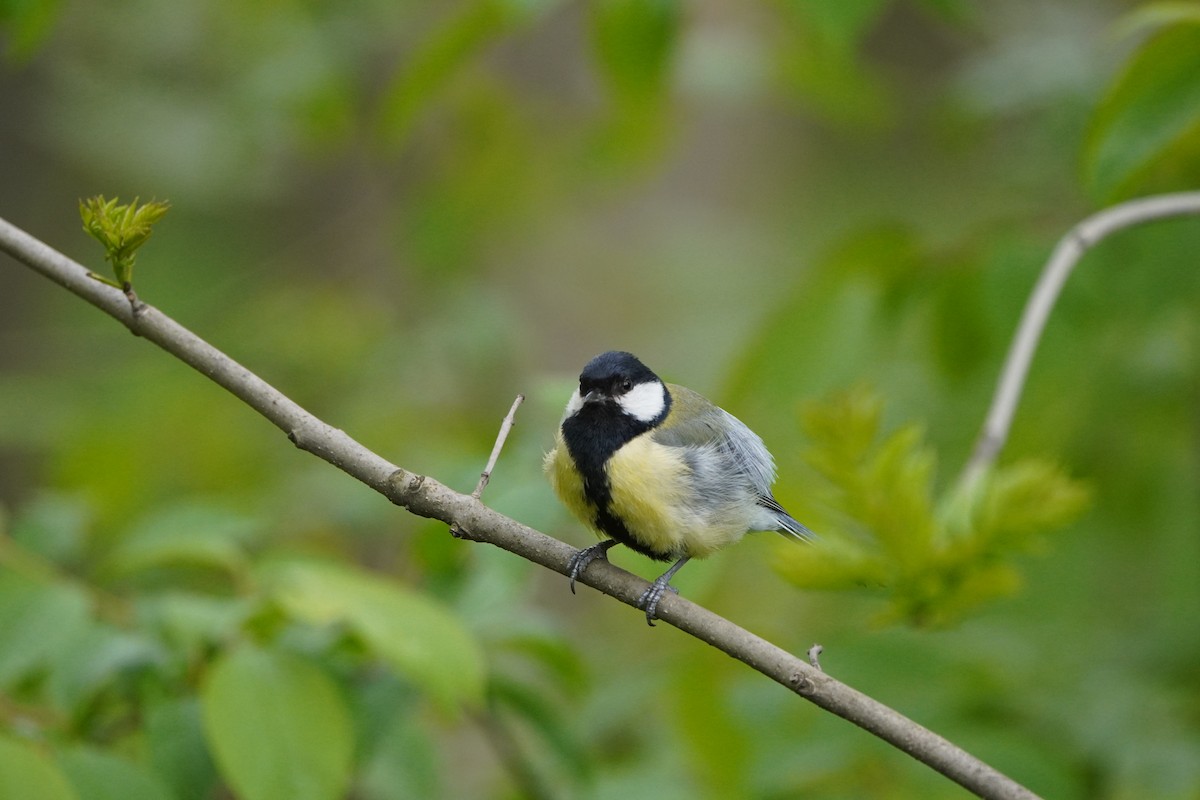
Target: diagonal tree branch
x,y
1070,249
427,497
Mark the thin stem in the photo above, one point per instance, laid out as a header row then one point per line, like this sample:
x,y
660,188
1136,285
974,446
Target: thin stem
x,y
505,426
426,497
1066,255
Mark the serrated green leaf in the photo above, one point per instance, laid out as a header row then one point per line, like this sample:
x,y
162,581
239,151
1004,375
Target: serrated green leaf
x,y
277,726
842,430
28,774
96,775
419,637
37,620
898,502
1150,120
1032,496
121,229
832,565
937,562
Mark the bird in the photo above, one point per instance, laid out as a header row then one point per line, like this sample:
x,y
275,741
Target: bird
x,y
660,469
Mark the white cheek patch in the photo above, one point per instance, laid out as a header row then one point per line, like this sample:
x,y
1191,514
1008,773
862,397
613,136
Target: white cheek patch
x,y
645,401
574,404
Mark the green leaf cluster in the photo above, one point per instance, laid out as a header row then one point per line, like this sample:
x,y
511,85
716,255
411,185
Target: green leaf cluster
x,y
121,229
197,655
933,559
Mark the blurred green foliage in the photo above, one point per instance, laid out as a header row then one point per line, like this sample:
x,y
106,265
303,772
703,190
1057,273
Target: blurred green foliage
x,y
403,214
936,559
1146,132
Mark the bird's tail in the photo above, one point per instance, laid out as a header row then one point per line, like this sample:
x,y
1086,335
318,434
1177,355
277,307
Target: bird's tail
x,y
794,529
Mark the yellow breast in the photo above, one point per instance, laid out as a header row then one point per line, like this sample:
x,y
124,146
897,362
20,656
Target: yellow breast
x,y
649,485
651,488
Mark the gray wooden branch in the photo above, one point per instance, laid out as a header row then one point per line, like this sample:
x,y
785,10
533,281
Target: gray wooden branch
x,y
426,497
1066,255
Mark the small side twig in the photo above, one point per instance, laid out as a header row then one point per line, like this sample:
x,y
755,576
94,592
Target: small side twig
x,y
485,477
501,438
814,653
1066,255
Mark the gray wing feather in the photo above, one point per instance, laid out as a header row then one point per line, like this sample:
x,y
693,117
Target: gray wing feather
x,y
710,427
730,463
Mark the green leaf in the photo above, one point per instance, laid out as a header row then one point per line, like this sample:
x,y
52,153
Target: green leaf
x,y
419,637
186,536
37,620
26,773
841,25
1147,130
1154,16
897,501
54,526
634,41
96,658
177,749
277,726
934,561
403,764
1031,496
531,704
25,24
821,60
120,229
190,622
442,55
100,776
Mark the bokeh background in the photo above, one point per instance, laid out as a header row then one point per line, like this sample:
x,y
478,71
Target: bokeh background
x,y
404,213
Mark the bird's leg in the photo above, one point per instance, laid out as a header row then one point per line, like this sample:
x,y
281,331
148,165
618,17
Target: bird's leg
x,y
579,562
650,598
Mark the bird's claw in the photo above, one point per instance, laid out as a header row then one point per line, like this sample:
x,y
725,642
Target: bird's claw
x,y
579,562
650,598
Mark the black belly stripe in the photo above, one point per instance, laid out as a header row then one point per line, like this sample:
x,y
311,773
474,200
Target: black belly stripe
x,y
592,436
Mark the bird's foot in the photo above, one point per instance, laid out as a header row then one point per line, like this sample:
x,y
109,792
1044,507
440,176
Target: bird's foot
x,y
579,562
648,602
650,598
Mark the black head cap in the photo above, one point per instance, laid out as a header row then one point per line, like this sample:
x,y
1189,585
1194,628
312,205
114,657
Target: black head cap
x,y
614,373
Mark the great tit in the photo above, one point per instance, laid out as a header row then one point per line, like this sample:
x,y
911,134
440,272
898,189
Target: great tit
x,y
659,469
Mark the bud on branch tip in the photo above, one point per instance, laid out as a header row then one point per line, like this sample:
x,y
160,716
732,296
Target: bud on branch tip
x,y
121,229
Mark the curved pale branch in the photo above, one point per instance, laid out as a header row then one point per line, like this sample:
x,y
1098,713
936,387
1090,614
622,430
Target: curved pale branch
x,y
471,519
1066,255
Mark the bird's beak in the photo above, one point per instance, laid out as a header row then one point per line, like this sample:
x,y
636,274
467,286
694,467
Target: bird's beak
x,y
594,396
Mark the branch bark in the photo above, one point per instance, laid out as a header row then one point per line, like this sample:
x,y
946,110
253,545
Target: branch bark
x,y
427,497
1066,255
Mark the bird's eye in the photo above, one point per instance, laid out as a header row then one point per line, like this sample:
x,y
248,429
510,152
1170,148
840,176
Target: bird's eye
x,y
626,385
